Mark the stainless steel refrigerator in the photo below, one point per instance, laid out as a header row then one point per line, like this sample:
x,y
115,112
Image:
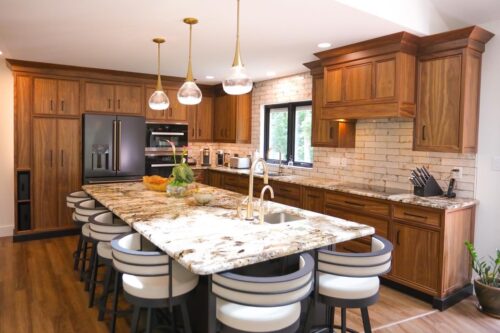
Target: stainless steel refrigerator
x,y
113,148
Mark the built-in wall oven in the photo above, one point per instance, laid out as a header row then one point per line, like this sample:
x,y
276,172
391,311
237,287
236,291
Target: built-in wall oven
x,y
161,165
158,136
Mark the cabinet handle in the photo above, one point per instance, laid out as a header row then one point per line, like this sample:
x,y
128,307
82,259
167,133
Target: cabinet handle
x,y
199,131
331,132
192,131
415,215
163,113
51,105
62,157
222,133
353,203
397,237
423,132
118,104
62,105
314,196
109,103
170,112
51,155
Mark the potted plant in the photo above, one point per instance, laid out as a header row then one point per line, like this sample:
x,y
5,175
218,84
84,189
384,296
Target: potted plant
x,y
182,176
487,285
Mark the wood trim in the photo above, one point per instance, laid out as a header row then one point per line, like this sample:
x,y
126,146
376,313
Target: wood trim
x,y
473,37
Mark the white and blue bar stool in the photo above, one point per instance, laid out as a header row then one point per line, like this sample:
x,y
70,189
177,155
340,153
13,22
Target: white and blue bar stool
x,y
71,200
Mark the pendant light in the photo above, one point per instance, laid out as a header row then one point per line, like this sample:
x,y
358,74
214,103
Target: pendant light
x,y
159,100
238,82
189,93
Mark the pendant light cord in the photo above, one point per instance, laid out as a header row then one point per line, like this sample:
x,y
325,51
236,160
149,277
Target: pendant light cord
x,y
237,57
158,83
189,76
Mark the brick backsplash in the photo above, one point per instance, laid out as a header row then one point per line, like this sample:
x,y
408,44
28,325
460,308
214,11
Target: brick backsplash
x,y
383,154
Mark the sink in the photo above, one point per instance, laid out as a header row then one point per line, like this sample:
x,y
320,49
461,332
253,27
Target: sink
x,y
271,174
281,217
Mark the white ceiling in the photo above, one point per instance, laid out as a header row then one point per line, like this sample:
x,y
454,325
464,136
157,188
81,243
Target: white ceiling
x,y
276,35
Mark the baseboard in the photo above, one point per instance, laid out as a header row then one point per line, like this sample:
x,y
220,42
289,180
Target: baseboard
x,y
46,234
6,231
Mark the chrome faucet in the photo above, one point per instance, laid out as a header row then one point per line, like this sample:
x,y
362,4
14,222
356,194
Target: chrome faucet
x,y
261,203
280,166
249,216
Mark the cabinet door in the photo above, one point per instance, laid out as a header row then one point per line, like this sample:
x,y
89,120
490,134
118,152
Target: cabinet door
x,y
416,256
128,99
333,86
99,97
438,117
215,179
242,130
176,111
313,199
385,78
45,173
358,82
204,116
321,129
69,97
220,118
192,111
153,114
68,167
230,118
45,96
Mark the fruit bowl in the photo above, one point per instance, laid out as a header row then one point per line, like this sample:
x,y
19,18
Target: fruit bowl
x,y
156,183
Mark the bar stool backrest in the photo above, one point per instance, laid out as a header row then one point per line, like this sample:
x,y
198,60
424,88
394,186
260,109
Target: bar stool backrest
x,y
266,291
84,209
130,256
76,197
105,226
373,263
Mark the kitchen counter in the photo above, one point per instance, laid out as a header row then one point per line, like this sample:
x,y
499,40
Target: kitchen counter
x,y
391,194
212,238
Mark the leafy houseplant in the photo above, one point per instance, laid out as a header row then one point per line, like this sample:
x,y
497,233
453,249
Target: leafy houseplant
x,y
182,176
487,286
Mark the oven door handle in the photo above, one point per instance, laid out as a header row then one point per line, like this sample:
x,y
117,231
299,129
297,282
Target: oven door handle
x,y
163,165
168,133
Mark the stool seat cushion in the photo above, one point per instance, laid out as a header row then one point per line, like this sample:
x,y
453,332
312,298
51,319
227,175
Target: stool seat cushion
x,y
86,230
257,319
104,250
156,287
348,287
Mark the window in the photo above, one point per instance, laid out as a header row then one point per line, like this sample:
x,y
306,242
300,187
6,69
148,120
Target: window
x,y
287,132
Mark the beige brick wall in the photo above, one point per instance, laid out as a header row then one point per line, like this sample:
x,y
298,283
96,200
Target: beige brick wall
x,y
383,154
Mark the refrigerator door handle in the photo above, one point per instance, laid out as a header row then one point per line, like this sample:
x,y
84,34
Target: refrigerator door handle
x,y
114,145
118,159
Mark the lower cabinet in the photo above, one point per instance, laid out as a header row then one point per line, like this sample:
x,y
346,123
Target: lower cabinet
x,y
286,193
416,256
56,170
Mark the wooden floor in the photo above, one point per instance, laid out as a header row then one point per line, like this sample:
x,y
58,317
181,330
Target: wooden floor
x,y
40,293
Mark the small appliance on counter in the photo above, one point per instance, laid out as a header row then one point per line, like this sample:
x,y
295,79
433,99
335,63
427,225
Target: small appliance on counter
x,y
205,157
220,158
424,184
239,162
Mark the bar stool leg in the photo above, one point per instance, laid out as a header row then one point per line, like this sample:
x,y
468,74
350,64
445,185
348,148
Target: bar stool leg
x,y
332,319
366,320
134,324
148,320
103,300
88,274
93,278
185,318
344,320
84,259
118,278
78,253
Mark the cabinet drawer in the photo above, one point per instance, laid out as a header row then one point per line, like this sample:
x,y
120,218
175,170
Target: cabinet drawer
x,y
380,225
415,214
313,199
234,180
359,204
353,246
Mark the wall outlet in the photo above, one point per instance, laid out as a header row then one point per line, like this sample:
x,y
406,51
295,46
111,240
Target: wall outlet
x,y
456,172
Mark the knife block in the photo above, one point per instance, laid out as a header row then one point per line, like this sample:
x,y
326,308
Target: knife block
x,y
431,188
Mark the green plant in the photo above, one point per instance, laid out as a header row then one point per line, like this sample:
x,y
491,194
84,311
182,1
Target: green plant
x,y
489,273
182,173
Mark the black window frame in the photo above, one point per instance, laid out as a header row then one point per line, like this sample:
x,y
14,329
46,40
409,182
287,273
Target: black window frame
x,y
292,108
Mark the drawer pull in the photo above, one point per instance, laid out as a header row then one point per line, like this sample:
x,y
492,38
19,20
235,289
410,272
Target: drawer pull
x,y
315,196
397,237
415,215
353,203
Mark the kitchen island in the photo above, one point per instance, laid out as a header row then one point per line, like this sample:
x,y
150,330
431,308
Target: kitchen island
x,y
213,238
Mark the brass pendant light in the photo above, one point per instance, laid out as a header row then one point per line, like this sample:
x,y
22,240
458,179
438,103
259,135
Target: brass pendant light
x,y
238,82
159,100
189,93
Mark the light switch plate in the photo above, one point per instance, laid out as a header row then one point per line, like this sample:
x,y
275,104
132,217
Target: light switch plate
x,y
495,163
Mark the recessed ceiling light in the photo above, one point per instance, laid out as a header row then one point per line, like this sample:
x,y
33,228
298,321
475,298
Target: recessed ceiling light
x,y
271,73
324,45
1,52
209,77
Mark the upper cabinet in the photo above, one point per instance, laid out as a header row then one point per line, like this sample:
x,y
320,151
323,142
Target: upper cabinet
x,y
56,97
449,76
371,79
113,98
232,118
200,120
176,112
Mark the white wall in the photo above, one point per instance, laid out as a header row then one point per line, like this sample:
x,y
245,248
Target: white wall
x,y
6,150
487,237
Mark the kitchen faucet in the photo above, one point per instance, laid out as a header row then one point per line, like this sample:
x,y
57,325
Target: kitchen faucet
x,y
280,167
261,202
250,186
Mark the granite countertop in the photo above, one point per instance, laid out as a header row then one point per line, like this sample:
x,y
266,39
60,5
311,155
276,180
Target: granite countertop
x,y
212,238
391,194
